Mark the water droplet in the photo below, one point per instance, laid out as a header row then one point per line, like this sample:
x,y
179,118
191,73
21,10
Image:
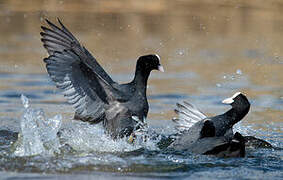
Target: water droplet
x,y
239,72
181,53
25,101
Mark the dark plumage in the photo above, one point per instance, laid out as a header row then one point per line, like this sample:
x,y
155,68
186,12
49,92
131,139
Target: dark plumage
x,y
255,143
93,94
202,134
221,147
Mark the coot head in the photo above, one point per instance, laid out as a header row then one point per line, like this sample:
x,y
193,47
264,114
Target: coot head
x,y
150,62
238,101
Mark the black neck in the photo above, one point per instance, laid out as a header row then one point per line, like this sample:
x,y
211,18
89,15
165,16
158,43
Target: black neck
x,y
236,114
141,77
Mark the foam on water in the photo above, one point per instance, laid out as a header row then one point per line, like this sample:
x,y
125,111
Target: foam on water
x,y
88,138
83,137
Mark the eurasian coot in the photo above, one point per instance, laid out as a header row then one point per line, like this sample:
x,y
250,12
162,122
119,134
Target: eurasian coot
x,y
93,94
211,135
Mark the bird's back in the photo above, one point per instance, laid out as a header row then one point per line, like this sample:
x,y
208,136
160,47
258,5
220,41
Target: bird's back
x,y
187,138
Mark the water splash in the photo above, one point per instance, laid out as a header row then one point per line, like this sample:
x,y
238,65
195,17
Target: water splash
x,y
41,135
83,137
38,134
25,101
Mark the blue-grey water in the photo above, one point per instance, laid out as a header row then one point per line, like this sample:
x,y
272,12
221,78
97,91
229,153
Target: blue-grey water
x,y
209,51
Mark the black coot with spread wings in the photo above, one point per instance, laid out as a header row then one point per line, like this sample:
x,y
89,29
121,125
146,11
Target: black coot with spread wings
x,y
211,135
93,94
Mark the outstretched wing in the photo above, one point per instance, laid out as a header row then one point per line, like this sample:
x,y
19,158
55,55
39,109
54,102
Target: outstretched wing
x,y
57,39
188,115
74,70
79,84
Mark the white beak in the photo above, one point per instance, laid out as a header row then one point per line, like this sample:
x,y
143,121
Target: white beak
x,y
228,101
160,68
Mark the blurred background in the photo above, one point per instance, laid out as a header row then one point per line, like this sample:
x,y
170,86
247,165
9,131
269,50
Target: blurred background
x,y
209,49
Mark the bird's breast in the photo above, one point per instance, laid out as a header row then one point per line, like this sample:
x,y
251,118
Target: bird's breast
x,y
138,105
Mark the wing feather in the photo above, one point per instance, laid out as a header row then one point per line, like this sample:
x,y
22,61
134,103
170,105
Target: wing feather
x,y
188,115
64,70
58,39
